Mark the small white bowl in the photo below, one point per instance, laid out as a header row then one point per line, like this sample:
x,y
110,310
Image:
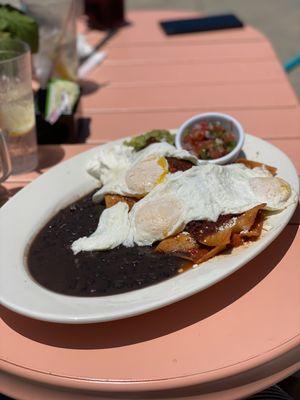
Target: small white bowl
x,y
228,122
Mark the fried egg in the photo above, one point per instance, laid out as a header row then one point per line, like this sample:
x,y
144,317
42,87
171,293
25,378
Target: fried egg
x,y
201,193
121,170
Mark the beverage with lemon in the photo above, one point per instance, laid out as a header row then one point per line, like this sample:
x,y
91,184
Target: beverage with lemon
x,y
17,115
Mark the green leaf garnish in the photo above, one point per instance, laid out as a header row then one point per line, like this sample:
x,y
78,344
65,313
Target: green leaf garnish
x,y
16,24
142,141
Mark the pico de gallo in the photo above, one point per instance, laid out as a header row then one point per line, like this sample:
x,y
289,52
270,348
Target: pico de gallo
x,y
208,140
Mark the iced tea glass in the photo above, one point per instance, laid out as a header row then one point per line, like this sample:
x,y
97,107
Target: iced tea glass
x,y
17,116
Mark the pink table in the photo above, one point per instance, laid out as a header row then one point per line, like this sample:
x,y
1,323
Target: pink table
x,y
229,341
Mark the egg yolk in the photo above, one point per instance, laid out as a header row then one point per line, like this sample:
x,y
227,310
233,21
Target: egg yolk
x,y
162,162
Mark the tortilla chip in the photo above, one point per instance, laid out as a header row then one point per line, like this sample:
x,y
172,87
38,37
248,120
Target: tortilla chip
x,y
112,199
209,254
182,244
218,238
245,221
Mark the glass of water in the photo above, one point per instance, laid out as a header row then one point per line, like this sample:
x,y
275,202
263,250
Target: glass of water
x,y
17,115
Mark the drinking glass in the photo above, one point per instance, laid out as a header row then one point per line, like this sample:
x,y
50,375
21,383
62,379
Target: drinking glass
x,y
17,116
5,165
57,55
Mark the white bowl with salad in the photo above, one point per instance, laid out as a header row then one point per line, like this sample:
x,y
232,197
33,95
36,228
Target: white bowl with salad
x,y
212,137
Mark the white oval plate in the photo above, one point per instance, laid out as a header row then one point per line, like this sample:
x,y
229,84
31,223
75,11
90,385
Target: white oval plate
x,y
24,215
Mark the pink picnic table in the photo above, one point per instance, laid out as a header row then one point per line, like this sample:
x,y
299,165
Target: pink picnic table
x,y
227,342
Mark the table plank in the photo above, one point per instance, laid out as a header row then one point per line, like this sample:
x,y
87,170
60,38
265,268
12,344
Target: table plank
x,y
194,52
141,75
265,123
137,37
188,96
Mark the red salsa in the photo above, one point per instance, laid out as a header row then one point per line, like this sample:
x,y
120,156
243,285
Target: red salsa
x,y
208,140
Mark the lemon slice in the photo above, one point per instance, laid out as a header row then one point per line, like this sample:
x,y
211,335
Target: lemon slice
x,y
17,119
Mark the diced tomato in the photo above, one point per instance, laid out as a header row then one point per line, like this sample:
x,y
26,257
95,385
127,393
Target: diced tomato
x,y
228,137
209,140
216,153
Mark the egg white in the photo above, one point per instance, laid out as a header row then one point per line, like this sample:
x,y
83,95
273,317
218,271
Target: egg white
x,y
112,230
201,193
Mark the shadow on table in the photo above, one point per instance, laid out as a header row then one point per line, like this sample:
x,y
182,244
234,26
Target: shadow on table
x,y
296,217
6,194
160,322
89,87
49,156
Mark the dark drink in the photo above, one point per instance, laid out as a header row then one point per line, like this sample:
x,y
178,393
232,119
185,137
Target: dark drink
x,y
105,14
